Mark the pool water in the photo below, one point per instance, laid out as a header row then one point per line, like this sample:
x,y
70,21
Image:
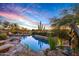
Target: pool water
x,y
34,44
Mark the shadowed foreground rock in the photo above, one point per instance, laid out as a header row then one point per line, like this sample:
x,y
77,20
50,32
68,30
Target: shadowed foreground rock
x,y
66,51
49,52
20,50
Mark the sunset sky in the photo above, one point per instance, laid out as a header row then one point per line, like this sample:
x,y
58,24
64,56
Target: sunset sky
x,y
29,15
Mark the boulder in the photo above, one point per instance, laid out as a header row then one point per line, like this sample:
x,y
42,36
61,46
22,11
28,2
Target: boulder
x,y
5,48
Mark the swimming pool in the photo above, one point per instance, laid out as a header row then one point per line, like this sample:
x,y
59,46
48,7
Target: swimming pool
x,y
34,44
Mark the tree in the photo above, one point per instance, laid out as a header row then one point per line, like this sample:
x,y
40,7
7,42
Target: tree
x,y
70,19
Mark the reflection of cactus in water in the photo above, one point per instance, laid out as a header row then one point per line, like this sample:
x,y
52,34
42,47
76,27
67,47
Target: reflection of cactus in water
x,y
40,44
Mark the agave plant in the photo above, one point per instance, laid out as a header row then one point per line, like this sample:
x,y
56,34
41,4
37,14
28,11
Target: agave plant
x,y
52,42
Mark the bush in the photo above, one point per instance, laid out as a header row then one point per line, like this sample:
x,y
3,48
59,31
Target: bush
x,y
60,43
3,36
52,43
40,33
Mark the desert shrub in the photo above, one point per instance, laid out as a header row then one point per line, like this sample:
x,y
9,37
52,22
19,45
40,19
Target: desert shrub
x,y
40,33
60,33
3,36
59,42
